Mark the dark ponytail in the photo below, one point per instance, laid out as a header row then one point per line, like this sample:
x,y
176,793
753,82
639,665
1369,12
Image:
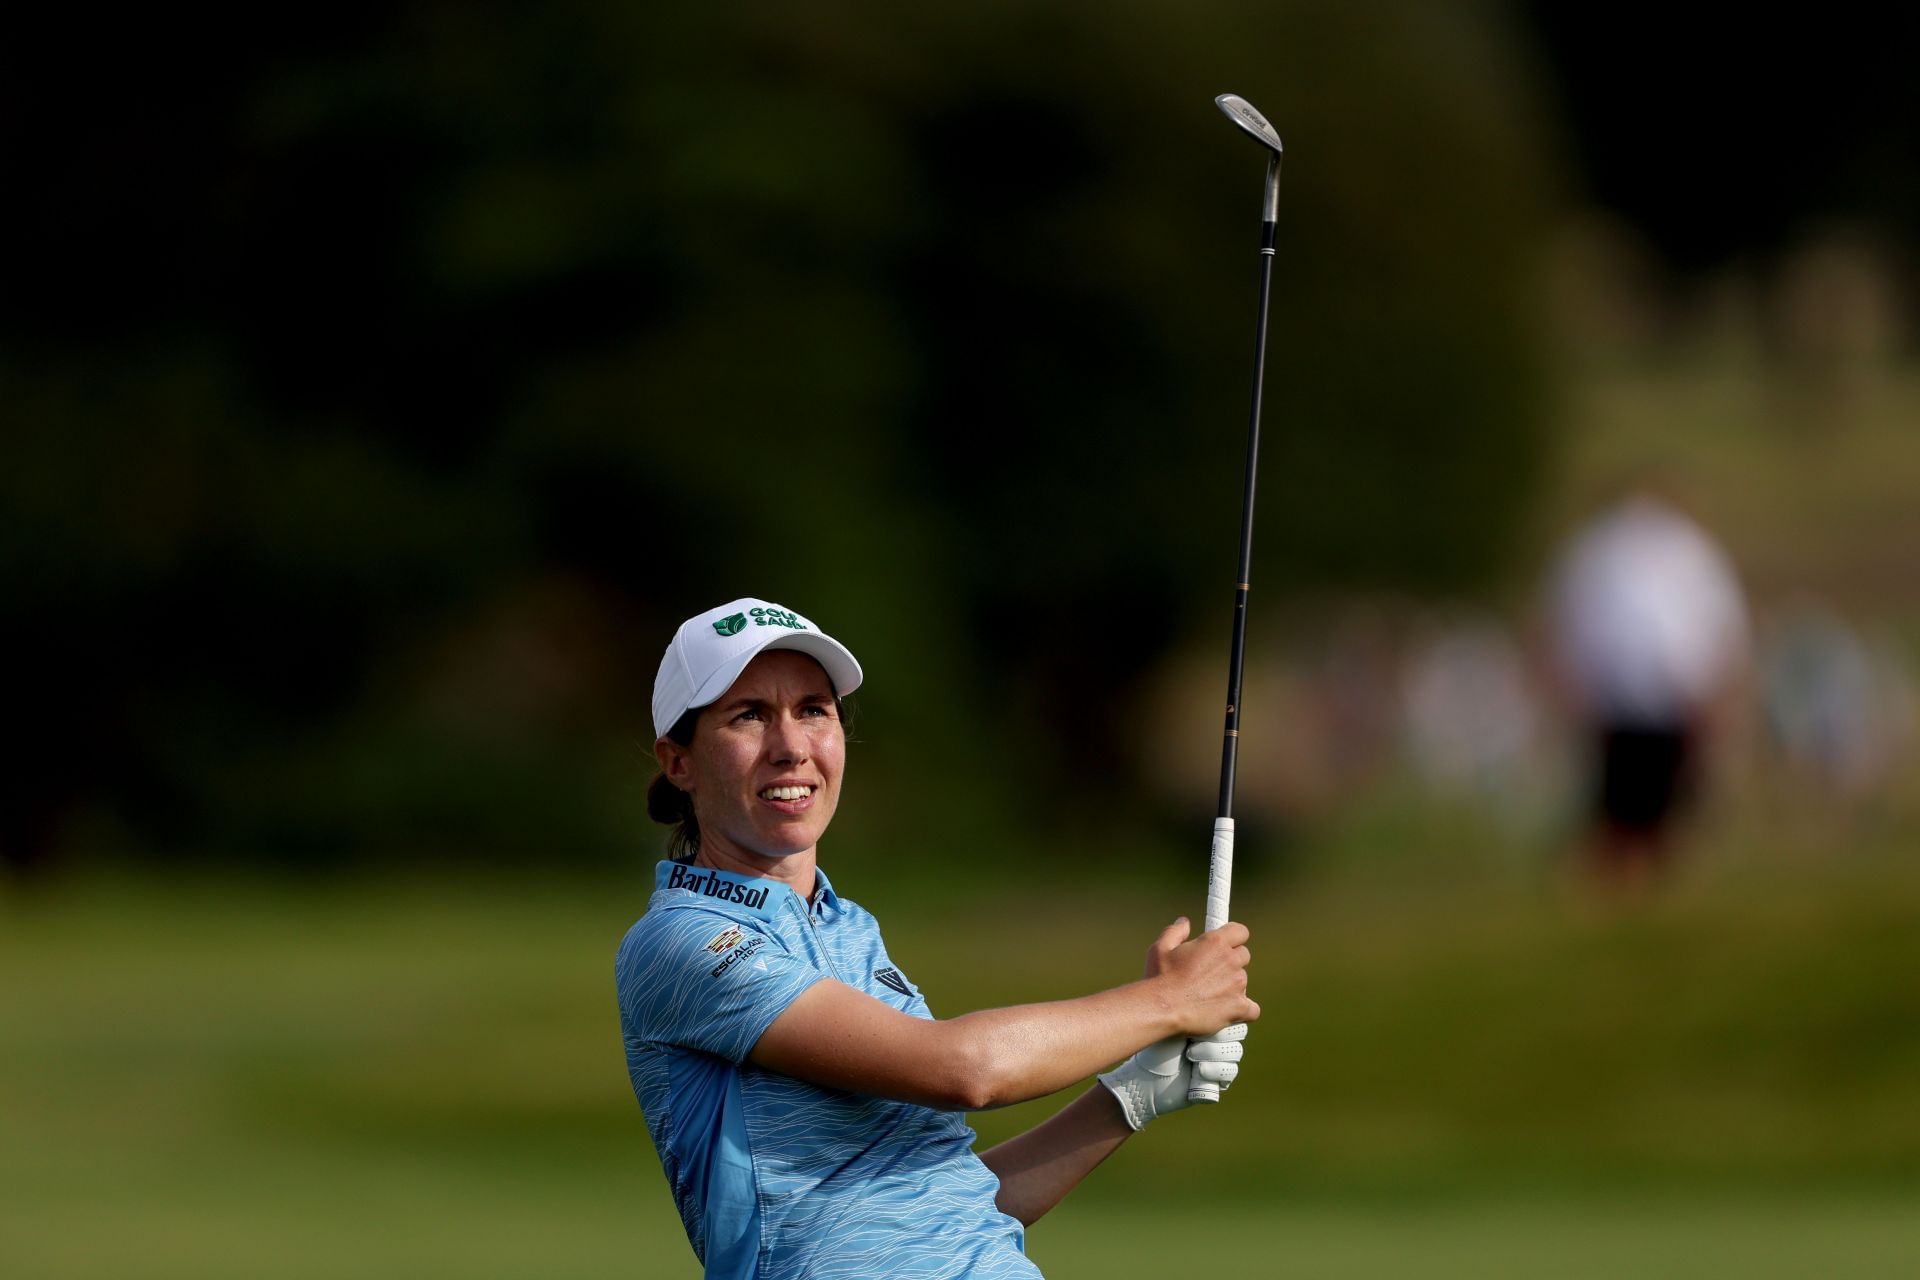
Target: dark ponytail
x,y
672,807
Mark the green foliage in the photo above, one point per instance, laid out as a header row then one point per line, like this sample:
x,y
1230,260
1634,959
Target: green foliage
x,y
899,315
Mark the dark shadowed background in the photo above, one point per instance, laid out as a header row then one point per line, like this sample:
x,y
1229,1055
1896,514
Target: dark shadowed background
x,y
380,384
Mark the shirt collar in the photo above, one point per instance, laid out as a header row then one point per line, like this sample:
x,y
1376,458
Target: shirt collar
x,y
756,895
825,900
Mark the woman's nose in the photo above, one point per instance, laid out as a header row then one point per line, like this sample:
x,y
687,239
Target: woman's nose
x,y
787,744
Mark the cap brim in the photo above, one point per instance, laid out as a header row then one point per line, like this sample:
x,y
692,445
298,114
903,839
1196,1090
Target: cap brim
x,y
843,671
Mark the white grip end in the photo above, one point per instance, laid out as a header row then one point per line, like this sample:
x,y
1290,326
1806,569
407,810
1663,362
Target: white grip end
x,y
1219,894
1220,873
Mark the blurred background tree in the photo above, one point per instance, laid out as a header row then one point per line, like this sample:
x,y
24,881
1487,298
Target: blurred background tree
x,y
1724,140
383,382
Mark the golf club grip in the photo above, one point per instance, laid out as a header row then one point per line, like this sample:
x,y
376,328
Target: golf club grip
x,y
1219,892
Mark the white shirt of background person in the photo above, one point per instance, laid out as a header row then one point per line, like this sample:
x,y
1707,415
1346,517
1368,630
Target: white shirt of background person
x,y
1649,616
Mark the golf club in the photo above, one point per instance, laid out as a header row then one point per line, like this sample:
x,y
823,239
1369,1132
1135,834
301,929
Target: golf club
x,y
1220,865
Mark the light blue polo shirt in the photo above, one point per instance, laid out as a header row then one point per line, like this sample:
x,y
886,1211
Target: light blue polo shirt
x,y
776,1178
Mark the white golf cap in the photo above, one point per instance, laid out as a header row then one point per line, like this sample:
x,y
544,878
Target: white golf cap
x,y
711,649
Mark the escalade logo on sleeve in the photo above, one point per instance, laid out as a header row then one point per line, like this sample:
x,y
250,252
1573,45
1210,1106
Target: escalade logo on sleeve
x,y
737,954
892,978
726,940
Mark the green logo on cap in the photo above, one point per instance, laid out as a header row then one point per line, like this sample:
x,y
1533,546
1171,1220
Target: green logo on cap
x,y
777,617
731,626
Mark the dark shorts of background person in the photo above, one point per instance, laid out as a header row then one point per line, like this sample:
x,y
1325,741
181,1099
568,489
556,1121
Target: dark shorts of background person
x,y
1644,776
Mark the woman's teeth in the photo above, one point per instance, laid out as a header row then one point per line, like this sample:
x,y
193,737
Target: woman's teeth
x,y
786,793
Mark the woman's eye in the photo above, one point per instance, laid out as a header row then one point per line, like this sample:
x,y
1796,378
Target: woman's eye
x,y
748,714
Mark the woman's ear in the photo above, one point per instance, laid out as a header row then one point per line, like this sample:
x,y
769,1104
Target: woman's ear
x,y
676,763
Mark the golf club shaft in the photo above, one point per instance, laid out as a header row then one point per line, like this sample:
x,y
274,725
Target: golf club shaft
x,y
1220,860
1236,663
1237,655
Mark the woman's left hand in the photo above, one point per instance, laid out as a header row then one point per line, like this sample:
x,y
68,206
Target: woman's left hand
x,y
1156,1080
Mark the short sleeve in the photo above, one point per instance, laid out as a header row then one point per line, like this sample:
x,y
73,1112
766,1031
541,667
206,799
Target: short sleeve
x,y
697,979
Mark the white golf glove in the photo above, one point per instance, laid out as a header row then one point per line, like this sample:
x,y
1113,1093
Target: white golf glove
x,y
1154,1081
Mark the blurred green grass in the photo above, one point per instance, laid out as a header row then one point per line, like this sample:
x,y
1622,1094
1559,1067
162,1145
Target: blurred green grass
x,y
1480,1073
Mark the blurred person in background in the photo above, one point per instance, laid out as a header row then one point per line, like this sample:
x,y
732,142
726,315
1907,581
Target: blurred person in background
x,y
1469,716
1649,638
802,1098
1838,706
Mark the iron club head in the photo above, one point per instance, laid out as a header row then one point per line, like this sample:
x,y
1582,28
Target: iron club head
x,y
1243,113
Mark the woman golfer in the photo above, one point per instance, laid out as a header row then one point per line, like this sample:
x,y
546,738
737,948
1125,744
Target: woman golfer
x,y
803,1100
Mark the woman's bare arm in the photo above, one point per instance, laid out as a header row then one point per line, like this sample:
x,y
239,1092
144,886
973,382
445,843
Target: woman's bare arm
x,y
844,1039
1038,1168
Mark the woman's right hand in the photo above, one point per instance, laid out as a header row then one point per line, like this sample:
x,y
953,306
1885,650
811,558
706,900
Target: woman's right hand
x,y
1204,978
